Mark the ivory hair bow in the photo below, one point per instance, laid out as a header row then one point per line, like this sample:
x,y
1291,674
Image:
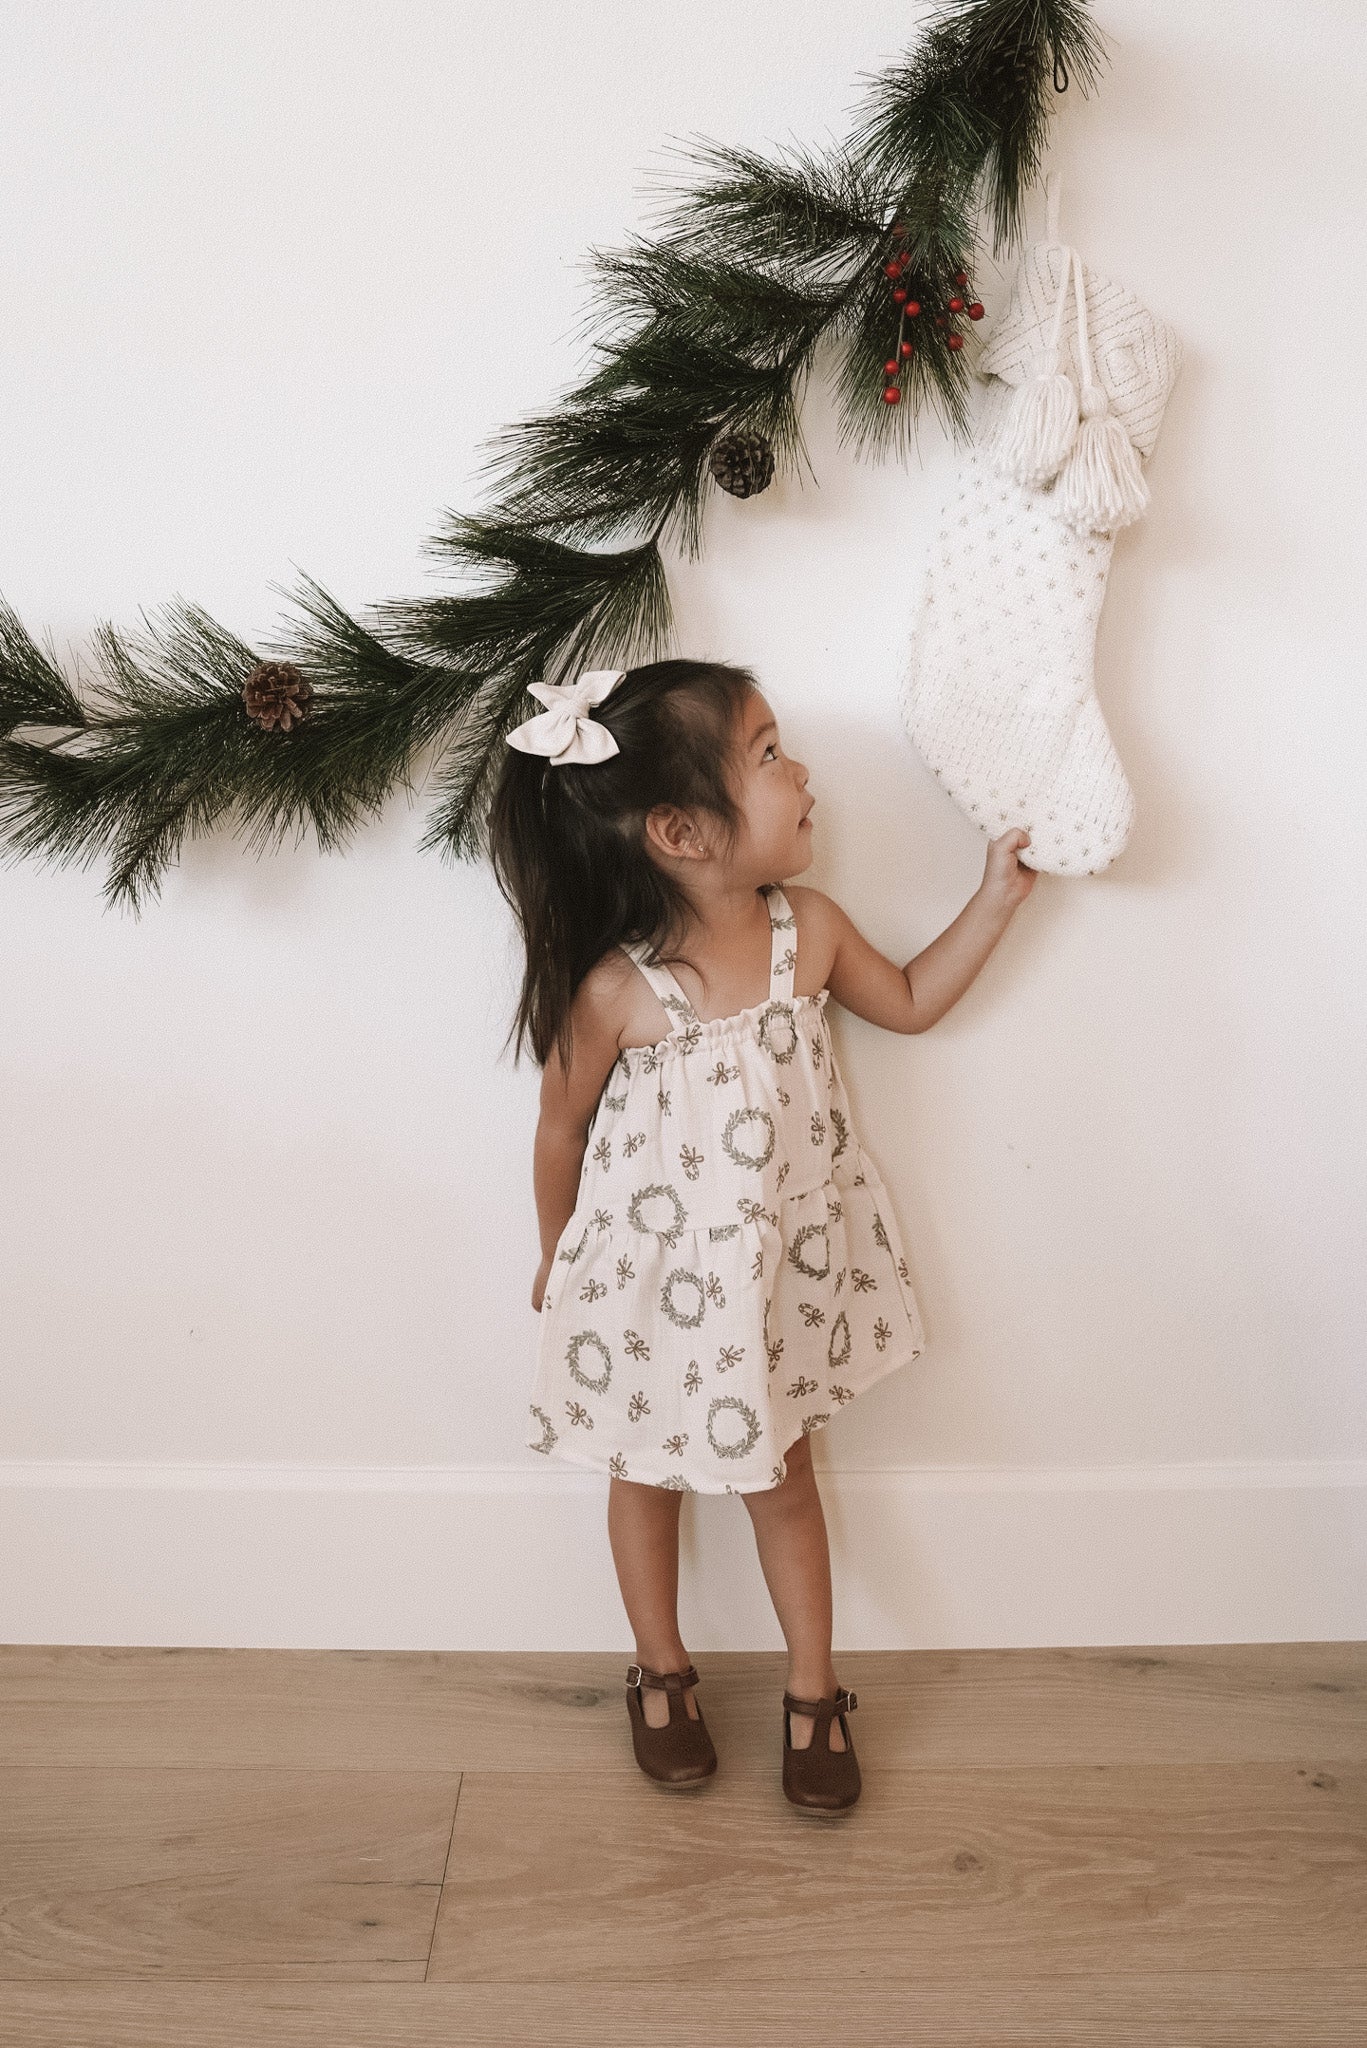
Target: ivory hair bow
x,y
566,732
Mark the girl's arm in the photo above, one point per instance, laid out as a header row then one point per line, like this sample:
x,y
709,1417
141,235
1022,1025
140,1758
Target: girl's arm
x,y
569,1100
914,997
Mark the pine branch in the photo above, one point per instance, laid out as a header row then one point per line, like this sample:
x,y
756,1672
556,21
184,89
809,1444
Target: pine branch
x,y
538,593
172,751
164,755
966,113
712,326
1015,54
629,448
587,609
774,214
33,690
713,302
938,242
376,705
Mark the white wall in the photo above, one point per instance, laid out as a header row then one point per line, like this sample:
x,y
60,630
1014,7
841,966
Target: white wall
x,y
274,274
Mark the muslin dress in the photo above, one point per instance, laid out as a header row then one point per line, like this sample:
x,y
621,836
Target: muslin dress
x,y
732,1273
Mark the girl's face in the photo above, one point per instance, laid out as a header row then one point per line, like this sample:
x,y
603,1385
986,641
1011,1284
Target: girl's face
x,y
771,788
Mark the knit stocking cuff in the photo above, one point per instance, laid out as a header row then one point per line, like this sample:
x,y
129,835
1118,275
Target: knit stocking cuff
x,y
1135,355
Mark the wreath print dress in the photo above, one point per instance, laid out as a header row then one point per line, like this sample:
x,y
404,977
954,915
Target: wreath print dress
x,y
732,1272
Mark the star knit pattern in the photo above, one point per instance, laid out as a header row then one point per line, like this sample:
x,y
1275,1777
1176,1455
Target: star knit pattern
x,y
999,693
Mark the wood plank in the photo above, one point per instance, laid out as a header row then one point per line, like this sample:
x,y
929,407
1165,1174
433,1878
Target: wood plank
x,y
1254,2009
278,1874
935,1876
521,1710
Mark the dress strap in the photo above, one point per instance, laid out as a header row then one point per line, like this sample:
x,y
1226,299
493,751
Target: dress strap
x,y
663,983
783,952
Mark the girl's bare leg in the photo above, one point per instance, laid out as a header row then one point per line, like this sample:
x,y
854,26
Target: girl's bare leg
x,y
790,1536
643,1529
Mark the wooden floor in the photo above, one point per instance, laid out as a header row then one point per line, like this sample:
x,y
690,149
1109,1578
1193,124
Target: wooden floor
x,y
368,1849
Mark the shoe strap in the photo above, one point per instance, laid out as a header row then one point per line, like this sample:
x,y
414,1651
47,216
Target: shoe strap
x,y
841,1702
667,1681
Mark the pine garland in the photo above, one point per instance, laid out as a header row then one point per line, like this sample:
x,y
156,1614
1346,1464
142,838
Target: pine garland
x,y
713,327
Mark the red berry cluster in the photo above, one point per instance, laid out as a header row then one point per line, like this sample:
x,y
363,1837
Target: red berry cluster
x,y
910,309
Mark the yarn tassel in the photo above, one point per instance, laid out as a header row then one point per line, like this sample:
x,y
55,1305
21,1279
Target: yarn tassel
x,y
1037,429
1101,485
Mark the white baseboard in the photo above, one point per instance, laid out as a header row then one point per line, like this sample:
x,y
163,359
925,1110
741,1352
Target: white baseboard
x,y
483,1558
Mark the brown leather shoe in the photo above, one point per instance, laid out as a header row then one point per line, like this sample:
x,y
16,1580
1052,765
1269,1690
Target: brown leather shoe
x,y
680,1753
820,1779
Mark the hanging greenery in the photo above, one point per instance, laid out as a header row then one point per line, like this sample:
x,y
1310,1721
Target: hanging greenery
x,y
708,331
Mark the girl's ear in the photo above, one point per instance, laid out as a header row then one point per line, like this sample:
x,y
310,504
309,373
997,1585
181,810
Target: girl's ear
x,y
674,833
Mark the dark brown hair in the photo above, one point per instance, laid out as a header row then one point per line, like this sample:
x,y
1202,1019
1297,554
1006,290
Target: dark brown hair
x,y
567,844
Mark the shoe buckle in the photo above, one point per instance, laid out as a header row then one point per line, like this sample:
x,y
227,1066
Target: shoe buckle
x,y
851,1700
637,1679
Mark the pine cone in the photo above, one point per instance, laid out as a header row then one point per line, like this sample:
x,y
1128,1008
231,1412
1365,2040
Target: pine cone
x,y
276,694
742,463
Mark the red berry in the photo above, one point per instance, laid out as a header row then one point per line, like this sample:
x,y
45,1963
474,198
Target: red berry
x,y
892,396
913,307
975,311
890,367
906,348
956,305
892,268
955,340
961,277
900,293
939,319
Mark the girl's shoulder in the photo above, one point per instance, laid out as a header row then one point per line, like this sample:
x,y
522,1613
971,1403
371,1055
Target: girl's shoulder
x,y
807,904
606,988
610,973
621,1000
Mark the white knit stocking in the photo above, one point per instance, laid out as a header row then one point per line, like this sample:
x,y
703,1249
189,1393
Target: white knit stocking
x,y
999,694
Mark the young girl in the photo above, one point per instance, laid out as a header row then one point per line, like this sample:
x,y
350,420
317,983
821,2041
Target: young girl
x,y
721,1265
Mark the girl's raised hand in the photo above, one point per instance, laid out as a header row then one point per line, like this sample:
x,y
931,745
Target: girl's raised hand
x,y
1006,882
